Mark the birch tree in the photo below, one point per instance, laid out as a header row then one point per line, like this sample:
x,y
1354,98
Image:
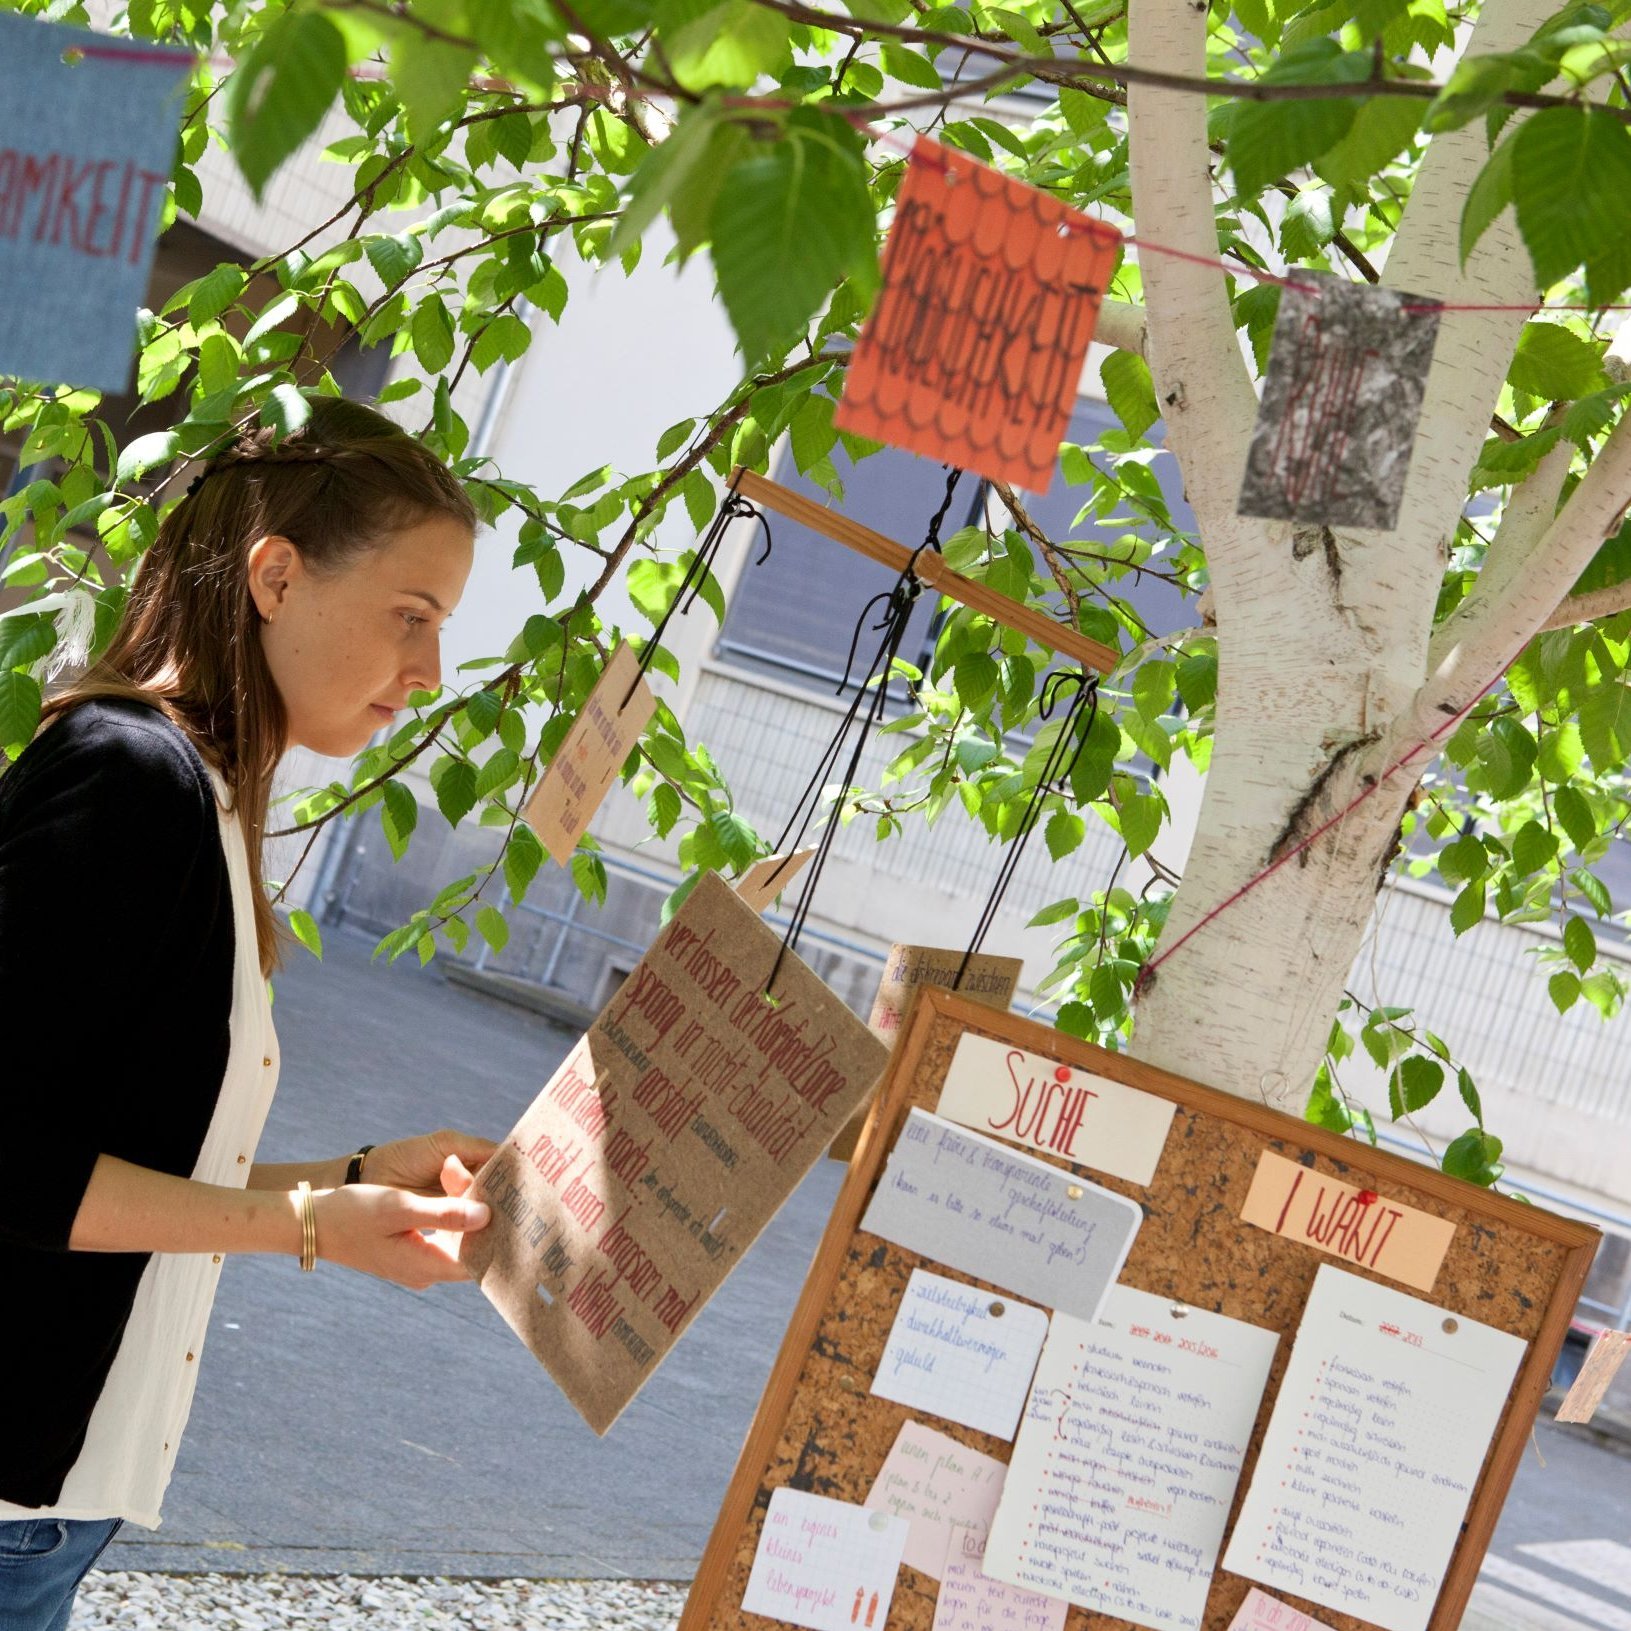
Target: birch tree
x,y
1449,695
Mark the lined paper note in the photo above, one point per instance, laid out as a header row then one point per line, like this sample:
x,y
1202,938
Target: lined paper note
x,y
1127,1460
984,1209
825,1564
961,1353
933,1482
1378,1434
970,1600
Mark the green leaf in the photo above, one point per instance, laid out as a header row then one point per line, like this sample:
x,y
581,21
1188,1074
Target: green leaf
x,y
1475,86
1418,1082
278,94
1064,833
19,711
665,808
455,788
155,448
522,856
732,44
1533,848
1574,811
304,927
1605,725
660,175
975,675
1198,680
1571,183
393,258
1268,139
1475,1156
1056,913
1594,889
1382,129
787,225
1554,363
286,410
1564,990
1139,821
1580,943
1469,1095
1130,391
492,928
499,771
214,292
430,76
1486,198
1467,910
910,67
398,816
25,637
432,335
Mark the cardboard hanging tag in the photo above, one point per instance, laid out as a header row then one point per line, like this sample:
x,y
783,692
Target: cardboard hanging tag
x,y
662,1146
767,878
87,149
1602,1364
590,756
1357,1225
974,351
1341,401
988,980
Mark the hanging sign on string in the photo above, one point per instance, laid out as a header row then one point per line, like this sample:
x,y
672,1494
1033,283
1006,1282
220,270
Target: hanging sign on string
x,y
591,754
660,1148
1341,400
991,290
87,142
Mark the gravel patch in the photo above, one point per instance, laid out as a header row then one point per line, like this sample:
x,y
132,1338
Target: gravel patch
x,y
116,1601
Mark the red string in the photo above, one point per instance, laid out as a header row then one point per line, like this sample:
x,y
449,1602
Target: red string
x,y
1147,973
135,54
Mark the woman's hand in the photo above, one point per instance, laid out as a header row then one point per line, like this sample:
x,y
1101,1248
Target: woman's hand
x,y
377,1229
418,1163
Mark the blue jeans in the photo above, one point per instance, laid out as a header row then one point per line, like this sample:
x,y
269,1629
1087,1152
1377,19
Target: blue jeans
x,y
42,1561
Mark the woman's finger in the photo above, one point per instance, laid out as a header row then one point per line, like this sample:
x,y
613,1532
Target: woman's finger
x,y
456,1176
453,1212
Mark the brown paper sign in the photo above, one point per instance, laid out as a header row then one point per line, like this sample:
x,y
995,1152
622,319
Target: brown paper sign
x,y
766,879
1357,1225
590,756
988,980
1602,1364
662,1146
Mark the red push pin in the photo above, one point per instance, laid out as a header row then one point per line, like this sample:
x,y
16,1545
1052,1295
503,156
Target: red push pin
x,y
1367,1197
1062,1073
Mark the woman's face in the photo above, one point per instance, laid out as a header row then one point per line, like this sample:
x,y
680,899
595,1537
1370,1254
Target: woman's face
x,y
348,647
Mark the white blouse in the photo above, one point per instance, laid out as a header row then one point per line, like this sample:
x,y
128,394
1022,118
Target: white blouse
x,y
135,1429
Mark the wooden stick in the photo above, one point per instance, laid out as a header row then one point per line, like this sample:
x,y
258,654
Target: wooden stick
x,y
931,570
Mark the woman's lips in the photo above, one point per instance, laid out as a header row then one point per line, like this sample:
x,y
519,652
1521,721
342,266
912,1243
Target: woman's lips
x,y
387,714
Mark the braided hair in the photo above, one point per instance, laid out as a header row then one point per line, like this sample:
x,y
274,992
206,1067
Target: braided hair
x,y
188,640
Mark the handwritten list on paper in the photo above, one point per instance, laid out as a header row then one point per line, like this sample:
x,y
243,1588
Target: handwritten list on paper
x,y
961,1353
1128,1457
825,1564
983,1209
1008,1093
970,1600
1378,1434
933,1482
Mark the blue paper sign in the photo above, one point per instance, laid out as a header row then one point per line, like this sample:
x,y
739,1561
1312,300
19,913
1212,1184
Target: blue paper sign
x,y
87,140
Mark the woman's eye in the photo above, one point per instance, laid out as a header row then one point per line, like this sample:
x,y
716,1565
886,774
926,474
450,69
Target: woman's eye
x,y
413,620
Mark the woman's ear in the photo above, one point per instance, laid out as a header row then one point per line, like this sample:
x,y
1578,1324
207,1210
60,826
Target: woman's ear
x,y
274,566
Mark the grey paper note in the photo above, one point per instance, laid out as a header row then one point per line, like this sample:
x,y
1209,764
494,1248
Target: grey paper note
x,y
1341,401
1009,1219
86,147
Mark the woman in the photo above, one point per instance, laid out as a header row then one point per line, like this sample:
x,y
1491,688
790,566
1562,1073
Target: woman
x,y
294,596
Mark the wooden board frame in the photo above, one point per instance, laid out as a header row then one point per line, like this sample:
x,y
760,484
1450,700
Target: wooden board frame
x,y
931,569
820,1385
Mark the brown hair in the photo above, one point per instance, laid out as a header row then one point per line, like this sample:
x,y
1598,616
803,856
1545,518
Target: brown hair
x,y
188,641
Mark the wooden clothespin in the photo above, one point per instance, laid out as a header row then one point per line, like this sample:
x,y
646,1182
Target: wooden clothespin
x,y
931,570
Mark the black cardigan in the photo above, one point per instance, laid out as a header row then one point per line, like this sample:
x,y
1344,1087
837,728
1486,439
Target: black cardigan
x,y
116,964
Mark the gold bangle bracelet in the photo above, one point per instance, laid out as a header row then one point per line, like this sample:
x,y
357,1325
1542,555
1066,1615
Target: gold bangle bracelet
x,y
308,1228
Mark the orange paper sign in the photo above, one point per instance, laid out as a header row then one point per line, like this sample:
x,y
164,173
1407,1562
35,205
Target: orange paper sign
x,y
974,352
1357,1225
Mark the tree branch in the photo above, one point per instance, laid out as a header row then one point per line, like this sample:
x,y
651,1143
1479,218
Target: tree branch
x,y
1123,325
1574,610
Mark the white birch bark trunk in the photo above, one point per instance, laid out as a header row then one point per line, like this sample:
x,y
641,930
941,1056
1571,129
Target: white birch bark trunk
x,y
1328,671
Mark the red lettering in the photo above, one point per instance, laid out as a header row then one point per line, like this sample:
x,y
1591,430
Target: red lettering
x,y
1296,1184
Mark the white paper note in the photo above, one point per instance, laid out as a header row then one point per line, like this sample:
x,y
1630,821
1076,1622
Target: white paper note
x,y
1088,1119
1261,1612
984,1209
1127,1459
933,1482
970,1600
961,1353
1378,1434
825,1564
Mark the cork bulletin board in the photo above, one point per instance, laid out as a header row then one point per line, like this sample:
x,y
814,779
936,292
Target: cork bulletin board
x,y
820,1429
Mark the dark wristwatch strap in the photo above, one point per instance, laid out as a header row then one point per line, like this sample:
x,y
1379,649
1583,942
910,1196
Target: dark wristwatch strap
x,y
353,1169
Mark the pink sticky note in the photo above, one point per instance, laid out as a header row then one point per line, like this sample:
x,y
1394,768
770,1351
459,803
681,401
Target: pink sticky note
x,y
934,1482
1261,1612
970,1600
